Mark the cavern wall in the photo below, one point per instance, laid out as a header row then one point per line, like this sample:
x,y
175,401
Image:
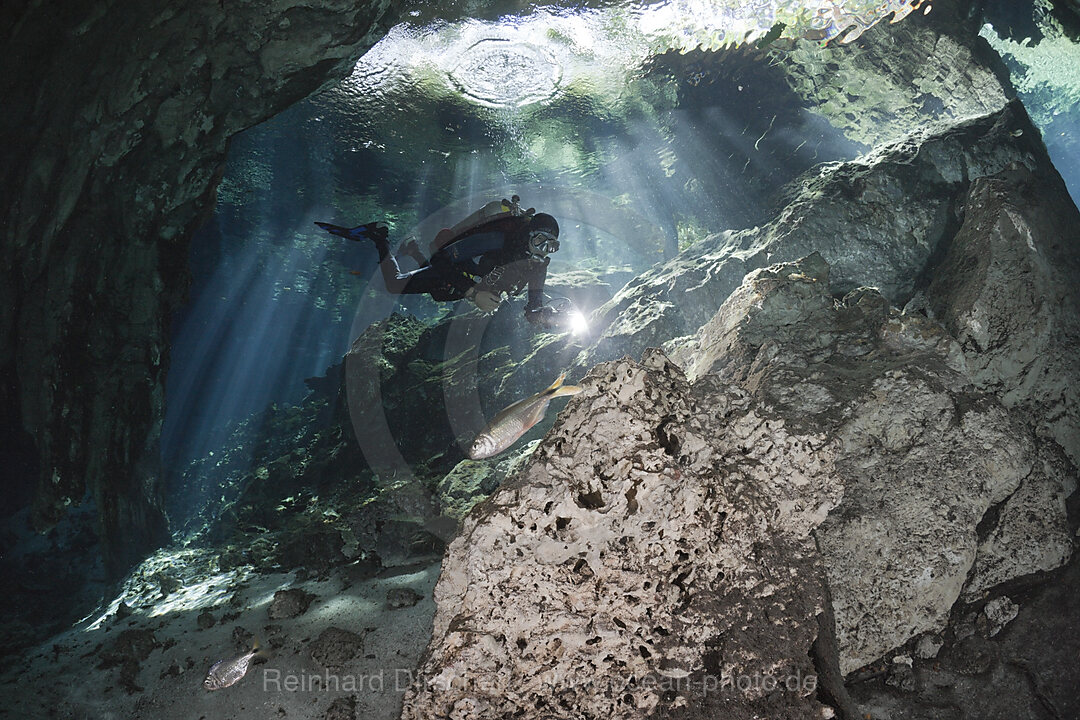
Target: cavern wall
x,y
114,128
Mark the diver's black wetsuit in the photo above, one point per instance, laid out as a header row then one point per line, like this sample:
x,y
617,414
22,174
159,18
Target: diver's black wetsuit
x,y
492,256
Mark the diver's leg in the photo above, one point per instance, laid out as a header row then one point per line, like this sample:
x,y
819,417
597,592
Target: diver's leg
x,y
411,249
440,283
425,279
396,281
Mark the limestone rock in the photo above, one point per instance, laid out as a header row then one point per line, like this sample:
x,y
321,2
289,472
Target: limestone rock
x,y
403,597
289,603
1006,289
920,454
467,484
928,646
1000,612
400,525
632,546
922,469
974,656
471,481
133,643
335,648
584,288
1030,531
876,221
130,648
900,674
663,514
344,708
1038,671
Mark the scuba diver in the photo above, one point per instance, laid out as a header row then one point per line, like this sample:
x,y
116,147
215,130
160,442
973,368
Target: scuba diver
x,y
497,249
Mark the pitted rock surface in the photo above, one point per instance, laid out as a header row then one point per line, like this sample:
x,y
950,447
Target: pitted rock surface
x,y
671,532
647,546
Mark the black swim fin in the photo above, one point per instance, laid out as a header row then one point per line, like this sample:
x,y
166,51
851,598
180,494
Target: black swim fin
x,y
367,231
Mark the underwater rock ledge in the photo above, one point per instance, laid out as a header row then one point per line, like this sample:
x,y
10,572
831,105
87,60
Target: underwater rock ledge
x,y
671,534
877,220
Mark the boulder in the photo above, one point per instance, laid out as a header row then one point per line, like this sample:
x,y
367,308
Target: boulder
x,y
876,220
1030,530
289,603
335,648
343,708
402,597
676,529
1006,289
922,454
629,568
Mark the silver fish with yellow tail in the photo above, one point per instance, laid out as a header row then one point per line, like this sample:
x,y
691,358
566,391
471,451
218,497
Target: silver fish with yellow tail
x,y
515,420
228,672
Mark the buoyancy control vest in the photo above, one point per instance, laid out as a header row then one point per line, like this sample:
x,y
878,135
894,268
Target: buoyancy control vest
x,y
494,210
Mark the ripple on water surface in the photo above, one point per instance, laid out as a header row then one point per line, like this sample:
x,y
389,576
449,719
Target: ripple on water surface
x,y
500,72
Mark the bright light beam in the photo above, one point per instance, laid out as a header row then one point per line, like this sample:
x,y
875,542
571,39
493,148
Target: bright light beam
x,y
579,325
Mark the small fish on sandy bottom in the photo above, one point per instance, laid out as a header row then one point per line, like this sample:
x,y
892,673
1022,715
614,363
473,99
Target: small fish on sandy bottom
x,y
515,420
228,672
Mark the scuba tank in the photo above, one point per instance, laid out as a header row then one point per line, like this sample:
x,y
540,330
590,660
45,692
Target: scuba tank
x,y
491,211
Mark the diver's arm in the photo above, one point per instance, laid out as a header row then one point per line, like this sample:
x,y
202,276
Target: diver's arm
x,y
537,278
535,311
535,301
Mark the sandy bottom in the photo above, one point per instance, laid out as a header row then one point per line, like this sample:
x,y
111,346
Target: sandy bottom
x,y
63,677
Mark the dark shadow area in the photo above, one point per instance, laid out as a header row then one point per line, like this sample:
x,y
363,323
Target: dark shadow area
x,y
51,579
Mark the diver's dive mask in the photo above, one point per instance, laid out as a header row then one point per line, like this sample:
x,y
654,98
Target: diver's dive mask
x,y
542,243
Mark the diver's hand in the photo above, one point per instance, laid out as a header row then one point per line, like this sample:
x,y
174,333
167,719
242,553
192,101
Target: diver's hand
x,y
486,300
545,317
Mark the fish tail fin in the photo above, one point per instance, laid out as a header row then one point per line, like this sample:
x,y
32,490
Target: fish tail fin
x,y
564,390
258,651
553,387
